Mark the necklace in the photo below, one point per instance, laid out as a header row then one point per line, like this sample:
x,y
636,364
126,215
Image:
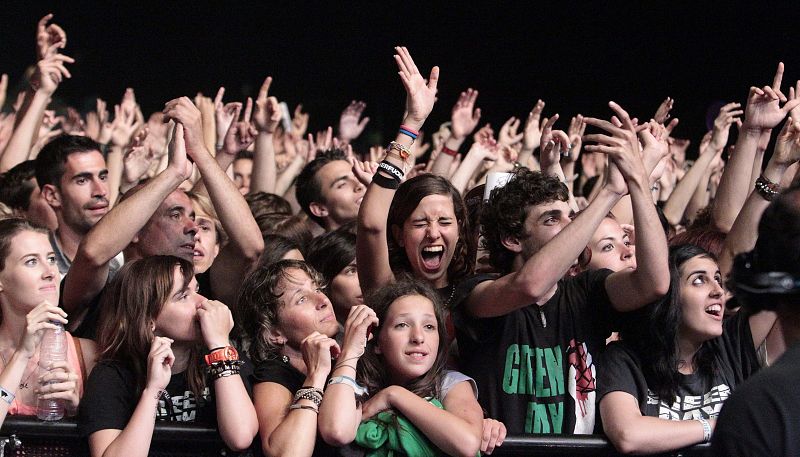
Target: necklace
x,y
24,383
449,299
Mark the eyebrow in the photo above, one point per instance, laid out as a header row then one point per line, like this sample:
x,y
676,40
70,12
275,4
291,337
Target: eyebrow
x,y
552,212
340,178
701,272
409,314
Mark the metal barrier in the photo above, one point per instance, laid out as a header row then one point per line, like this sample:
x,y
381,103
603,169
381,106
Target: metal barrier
x,y
35,438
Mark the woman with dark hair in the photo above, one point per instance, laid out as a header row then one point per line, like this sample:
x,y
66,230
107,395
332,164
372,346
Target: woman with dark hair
x,y
663,385
333,254
29,304
402,369
426,233
153,331
291,325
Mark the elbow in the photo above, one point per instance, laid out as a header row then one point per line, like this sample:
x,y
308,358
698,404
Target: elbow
x,y
468,447
240,442
90,254
626,442
337,436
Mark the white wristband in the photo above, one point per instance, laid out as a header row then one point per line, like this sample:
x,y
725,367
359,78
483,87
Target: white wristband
x,y
706,430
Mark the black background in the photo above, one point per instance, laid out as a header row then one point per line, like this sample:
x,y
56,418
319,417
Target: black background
x,y
574,55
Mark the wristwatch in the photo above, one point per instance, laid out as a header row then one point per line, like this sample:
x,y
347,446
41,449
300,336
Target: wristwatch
x,y
221,354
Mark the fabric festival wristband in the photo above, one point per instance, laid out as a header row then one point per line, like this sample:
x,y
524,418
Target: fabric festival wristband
x,y
394,171
448,151
385,181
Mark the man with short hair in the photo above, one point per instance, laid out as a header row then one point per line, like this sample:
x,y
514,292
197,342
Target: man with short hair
x,y
328,191
20,192
71,172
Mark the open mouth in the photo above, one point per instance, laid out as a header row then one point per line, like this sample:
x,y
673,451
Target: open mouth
x,y
714,310
432,257
417,355
197,254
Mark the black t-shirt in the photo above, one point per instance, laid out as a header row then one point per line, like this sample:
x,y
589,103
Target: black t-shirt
x,y
696,398
761,418
535,366
111,397
291,378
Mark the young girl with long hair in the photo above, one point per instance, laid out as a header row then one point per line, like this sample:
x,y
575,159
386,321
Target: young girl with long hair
x,y
663,385
29,302
395,352
153,333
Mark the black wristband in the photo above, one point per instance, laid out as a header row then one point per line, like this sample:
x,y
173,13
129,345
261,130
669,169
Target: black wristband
x,y
384,181
392,170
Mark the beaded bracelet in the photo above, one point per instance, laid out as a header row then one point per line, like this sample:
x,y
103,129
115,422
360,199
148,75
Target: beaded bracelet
x,y
766,188
402,149
308,393
310,408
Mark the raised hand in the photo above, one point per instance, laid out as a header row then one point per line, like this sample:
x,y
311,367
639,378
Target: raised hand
x,y
50,71
508,132
183,111
654,146
216,323
318,350
159,363
532,133
763,110
575,133
268,113
364,171
38,320
464,117
224,114
299,122
323,141
239,137
123,127
728,115
177,160
350,123
356,332
138,159
662,113
49,38
794,93
620,143
787,145
420,94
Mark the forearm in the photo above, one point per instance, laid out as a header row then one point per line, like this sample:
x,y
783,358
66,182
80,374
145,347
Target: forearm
x,y
135,439
115,165
297,433
10,378
651,435
286,179
525,155
265,172
468,166
231,207
757,163
448,432
22,139
652,269
236,416
700,198
441,166
339,415
732,192
685,189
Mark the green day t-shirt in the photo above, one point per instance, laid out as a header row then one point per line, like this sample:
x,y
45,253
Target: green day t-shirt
x,y
535,367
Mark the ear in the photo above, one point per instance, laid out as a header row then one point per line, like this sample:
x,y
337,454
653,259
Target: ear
x,y
318,209
51,195
397,234
378,348
276,338
152,326
512,244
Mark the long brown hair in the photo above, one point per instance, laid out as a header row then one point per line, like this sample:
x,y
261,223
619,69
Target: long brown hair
x,y
130,305
372,371
406,200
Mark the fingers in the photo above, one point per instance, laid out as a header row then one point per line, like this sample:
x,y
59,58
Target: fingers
x,y
248,110
778,78
262,93
218,98
536,112
433,80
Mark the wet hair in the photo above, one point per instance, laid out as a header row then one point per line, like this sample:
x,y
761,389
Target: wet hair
x,y
205,205
308,188
53,156
259,301
333,251
17,185
505,213
275,247
406,200
709,239
372,371
266,203
652,332
130,305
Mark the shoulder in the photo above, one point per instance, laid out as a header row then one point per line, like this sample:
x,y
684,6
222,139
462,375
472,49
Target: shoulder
x,y
451,378
279,372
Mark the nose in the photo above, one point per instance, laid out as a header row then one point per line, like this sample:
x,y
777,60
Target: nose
x,y
357,187
716,290
627,251
99,188
321,300
191,227
50,271
417,334
432,231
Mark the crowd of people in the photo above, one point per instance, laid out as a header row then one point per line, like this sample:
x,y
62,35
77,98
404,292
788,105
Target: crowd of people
x,y
217,263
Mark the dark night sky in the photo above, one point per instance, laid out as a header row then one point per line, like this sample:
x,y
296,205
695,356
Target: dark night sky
x,y
575,56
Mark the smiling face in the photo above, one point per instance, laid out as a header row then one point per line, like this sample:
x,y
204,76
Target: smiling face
x,y
702,299
611,248
409,338
30,274
429,237
304,310
178,316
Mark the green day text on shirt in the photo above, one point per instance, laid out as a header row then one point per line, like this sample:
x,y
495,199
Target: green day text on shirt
x,y
539,372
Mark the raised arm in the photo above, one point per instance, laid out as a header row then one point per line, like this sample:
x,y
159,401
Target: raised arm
x,y
49,73
679,198
464,118
372,250
245,243
350,123
478,153
266,117
532,133
763,111
89,271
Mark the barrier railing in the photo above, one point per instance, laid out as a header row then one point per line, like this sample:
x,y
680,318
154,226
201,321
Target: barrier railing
x,y
35,438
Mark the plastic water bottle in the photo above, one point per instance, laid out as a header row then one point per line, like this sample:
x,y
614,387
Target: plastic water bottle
x,y
53,348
